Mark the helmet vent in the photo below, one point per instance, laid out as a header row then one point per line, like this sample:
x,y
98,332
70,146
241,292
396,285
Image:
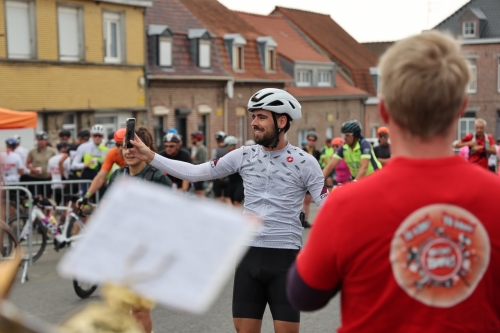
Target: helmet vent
x,y
255,99
258,105
275,103
293,106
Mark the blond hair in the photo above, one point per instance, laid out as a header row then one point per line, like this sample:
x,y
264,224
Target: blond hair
x,y
423,83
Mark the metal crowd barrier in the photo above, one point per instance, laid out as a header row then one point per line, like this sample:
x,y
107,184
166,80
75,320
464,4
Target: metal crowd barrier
x,y
17,200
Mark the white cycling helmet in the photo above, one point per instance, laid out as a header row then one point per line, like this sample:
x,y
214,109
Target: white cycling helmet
x,y
249,143
97,129
275,100
230,141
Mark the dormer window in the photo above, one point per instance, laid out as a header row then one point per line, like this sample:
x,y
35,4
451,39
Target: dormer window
x,y
200,47
235,45
469,29
267,51
304,78
324,78
161,44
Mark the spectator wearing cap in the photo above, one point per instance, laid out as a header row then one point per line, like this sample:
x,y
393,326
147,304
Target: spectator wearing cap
x,y
383,150
37,162
172,150
59,171
11,164
23,152
65,136
199,155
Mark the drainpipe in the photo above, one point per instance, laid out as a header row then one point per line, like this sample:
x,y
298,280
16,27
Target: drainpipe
x,y
146,81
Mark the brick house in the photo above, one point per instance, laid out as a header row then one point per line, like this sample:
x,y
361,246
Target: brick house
x,y
477,25
354,62
75,62
186,81
327,99
246,54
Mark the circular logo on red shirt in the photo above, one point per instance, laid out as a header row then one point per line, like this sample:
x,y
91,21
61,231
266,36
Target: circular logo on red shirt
x,y
439,254
289,159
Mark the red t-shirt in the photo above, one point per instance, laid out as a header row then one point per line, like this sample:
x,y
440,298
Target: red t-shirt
x,y
479,157
411,253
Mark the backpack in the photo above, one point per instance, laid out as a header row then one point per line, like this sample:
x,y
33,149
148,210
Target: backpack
x,y
148,176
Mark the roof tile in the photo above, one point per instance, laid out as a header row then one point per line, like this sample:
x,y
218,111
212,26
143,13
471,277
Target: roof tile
x,y
329,35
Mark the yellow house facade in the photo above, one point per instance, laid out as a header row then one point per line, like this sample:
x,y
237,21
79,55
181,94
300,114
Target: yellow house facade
x,y
75,62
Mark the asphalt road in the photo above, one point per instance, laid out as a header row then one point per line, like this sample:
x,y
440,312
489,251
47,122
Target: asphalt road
x,y
51,298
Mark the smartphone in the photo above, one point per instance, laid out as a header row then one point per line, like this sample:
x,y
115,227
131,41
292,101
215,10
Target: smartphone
x,y
129,133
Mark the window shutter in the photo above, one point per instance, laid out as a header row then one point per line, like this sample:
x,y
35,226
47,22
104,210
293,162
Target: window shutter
x,y
165,52
204,61
69,36
18,29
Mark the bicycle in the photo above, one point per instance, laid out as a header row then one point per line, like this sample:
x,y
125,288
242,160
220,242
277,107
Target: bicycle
x,y
8,241
44,224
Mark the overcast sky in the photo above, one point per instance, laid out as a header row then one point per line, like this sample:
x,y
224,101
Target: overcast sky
x,y
366,20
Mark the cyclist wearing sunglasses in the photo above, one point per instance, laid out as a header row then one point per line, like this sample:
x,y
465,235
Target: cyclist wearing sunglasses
x,y
114,160
383,150
357,152
90,156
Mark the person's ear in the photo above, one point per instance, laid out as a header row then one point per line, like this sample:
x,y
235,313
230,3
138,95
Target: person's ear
x,y
282,122
382,110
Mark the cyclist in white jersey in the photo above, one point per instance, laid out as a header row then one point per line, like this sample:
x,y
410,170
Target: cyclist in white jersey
x,y
276,177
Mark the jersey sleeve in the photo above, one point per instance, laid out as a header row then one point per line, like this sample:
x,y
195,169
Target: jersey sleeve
x,y
366,149
492,141
109,160
340,153
318,264
77,163
222,167
467,137
314,181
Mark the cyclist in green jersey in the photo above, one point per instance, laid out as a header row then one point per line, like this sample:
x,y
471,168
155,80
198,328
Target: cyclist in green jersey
x,y
357,152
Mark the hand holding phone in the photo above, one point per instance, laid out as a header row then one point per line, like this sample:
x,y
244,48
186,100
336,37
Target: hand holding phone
x,y
130,131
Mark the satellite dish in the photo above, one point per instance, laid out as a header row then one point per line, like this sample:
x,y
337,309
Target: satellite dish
x,y
230,89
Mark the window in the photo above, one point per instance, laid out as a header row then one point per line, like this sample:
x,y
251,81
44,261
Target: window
x,y
113,38
270,60
469,29
324,78
20,24
70,33
466,124
304,77
69,123
472,87
302,136
165,50
329,132
204,60
238,57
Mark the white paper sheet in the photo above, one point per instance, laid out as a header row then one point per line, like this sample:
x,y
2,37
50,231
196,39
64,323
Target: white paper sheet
x,y
164,246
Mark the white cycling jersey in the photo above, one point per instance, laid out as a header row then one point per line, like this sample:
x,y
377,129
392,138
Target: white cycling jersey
x,y
275,185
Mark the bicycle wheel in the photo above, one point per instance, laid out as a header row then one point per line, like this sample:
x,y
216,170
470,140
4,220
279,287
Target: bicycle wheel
x,y
16,225
83,289
8,241
69,231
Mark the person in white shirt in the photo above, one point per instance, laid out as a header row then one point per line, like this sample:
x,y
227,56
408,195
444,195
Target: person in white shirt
x,y
11,164
58,171
23,152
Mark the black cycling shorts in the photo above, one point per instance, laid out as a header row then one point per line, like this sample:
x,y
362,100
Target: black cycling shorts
x,y
235,191
260,279
219,186
198,186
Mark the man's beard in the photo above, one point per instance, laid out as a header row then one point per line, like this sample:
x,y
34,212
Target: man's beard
x,y
267,140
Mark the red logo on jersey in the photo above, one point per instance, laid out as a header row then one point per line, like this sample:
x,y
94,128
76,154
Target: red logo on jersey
x,y
289,159
439,254
214,163
324,192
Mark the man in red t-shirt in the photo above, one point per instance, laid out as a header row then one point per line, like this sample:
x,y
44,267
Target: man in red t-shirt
x,y
480,144
428,258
